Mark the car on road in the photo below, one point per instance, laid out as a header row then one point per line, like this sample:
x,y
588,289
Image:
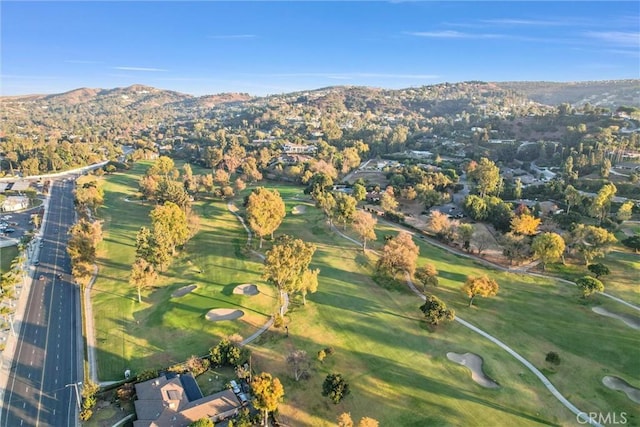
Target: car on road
x,y
10,230
36,262
59,276
41,277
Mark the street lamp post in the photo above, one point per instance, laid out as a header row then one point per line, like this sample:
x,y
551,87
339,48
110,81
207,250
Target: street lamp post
x,y
75,385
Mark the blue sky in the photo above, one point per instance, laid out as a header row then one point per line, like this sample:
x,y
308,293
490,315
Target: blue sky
x,y
273,47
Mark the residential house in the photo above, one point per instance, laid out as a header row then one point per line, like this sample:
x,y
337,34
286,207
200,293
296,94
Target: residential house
x,y
175,400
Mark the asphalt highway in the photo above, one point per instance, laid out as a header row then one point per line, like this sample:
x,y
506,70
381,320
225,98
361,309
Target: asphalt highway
x,y
47,358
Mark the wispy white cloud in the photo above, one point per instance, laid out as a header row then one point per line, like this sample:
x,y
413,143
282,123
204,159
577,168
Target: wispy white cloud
x,y
450,34
140,69
531,22
233,36
620,38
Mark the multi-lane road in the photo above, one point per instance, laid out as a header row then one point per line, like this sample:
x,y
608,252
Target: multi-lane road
x,y
48,356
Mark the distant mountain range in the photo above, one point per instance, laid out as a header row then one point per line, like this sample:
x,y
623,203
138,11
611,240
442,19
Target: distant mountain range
x,y
124,112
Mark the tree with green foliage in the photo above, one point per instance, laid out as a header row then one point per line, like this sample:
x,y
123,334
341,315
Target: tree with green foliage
x,y
318,183
365,225
267,393
475,207
142,275
485,177
625,211
335,387
572,197
170,220
598,269
228,352
359,192
515,247
632,242
601,203
399,254
483,286
388,202
591,241
89,192
202,422
553,357
327,203
548,247
589,286
427,275
436,311
345,208
265,212
307,283
163,166
465,234
286,263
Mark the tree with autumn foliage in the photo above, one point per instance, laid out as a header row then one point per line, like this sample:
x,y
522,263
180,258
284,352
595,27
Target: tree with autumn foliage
x,y
483,286
365,225
267,394
525,224
399,255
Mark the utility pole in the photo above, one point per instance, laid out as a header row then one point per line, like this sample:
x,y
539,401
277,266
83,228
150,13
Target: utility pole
x,y
75,385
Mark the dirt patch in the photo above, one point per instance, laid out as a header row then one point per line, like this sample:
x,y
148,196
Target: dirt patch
x,y
246,289
183,291
618,384
218,314
631,321
299,210
474,363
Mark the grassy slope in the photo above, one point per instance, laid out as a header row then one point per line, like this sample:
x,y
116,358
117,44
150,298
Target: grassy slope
x,y
7,255
386,353
397,369
162,330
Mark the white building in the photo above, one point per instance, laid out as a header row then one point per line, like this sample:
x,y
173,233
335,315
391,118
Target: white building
x,y
15,203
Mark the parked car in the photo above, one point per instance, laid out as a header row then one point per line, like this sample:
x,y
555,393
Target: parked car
x,y
243,399
234,386
10,230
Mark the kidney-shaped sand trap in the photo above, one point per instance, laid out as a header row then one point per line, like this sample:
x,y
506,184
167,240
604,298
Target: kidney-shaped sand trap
x,y
299,210
246,289
474,363
630,321
183,291
618,384
218,314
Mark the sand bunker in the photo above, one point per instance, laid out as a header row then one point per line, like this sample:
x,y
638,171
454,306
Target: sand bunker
x,y
474,363
618,384
299,210
630,321
246,289
183,291
218,314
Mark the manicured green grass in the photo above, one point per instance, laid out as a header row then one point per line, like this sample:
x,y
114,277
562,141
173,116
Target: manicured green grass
x,y
7,255
162,330
624,280
398,370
